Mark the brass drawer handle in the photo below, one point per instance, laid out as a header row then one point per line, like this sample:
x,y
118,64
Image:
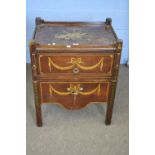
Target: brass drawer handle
x,y
75,70
75,90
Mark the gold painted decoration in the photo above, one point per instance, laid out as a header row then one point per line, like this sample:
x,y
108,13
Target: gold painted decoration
x,y
71,35
75,90
75,62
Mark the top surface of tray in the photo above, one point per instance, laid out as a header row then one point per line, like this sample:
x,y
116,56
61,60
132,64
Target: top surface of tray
x,y
75,33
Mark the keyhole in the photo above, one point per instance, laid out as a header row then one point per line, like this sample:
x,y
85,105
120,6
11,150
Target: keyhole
x,y
75,70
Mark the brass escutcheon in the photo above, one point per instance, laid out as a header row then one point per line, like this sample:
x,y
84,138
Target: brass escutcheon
x,y
34,67
75,70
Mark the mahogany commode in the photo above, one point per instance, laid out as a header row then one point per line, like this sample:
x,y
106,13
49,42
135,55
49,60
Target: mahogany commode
x,y
74,64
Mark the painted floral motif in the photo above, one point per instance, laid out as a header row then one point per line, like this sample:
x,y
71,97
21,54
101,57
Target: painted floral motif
x,y
70,35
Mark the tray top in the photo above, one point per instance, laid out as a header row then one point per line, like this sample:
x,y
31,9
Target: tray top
x,y
74,33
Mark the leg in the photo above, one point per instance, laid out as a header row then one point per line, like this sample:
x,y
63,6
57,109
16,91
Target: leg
x,y
38,115
113,83
110,104
37,105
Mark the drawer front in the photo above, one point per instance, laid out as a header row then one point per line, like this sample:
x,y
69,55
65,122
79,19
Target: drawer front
x,y
77,64
74,95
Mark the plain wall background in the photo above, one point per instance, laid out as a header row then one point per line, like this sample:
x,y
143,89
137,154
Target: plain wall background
x,y
80,10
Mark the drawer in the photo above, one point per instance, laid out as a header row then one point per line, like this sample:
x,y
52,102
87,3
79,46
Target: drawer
x,y
75,64
73,95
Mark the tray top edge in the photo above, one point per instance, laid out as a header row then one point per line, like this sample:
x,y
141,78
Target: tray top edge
x,y
70,33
